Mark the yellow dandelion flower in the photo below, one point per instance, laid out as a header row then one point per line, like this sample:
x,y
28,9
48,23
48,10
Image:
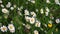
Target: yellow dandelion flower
x,y
50,25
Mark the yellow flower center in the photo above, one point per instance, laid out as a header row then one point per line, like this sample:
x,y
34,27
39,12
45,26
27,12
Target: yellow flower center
x,y
11,27
4,28
32,19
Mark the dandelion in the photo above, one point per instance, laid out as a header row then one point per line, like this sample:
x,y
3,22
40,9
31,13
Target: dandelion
x,y
50,25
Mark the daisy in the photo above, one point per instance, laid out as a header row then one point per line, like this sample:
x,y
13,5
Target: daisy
x,y
33,14
57,2
47,9
2,5
4,29
19,13
33,1
41,11
50,21
26,12
27,18
36,32
32,20
28,26
0,1
57,21
12,8
11,28
47,1
36,10
46,13
21,7
37,24
8,5
4,10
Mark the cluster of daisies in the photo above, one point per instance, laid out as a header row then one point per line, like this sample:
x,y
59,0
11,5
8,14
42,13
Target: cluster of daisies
x,y
10,27
31,19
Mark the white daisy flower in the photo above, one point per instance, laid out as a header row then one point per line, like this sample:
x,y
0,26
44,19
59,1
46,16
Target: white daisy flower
x,y
33,1
37,24
36,10
19,13
11,28
50,21
41,11
28,26
57,21
18,8
12,8
33,14
8,5
28,0
51,17
27,18
4,29
36,32
47,9
26,12
57,2
46,13
2,5
23,24
47,1
21,7
0,1
4,10
32,20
